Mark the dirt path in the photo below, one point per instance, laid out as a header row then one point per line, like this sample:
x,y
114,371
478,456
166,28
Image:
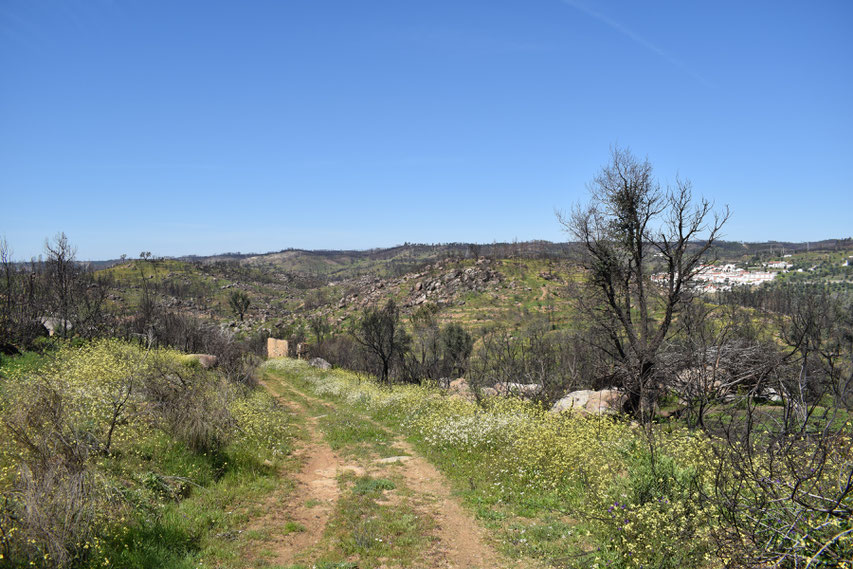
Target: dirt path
x,y
296,523
456,541
460,540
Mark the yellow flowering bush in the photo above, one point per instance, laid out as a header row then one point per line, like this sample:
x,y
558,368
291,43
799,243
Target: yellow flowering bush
x,y
98,441
263,427
789,504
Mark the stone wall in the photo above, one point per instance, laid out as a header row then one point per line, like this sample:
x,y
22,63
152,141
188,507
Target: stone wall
x,y
277,348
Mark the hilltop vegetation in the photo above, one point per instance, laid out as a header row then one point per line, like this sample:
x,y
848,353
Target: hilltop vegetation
x,y
290,287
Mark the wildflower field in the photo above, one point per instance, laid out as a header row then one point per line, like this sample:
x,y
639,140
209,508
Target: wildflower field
x,y
114,455
593,491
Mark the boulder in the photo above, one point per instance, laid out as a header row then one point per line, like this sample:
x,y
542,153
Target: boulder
x,y
772,395
461,388
394,459
320,363
591,402
55,325
520,389
576,401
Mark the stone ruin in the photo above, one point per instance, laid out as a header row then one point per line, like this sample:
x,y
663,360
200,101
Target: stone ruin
x,y
281,349
277,348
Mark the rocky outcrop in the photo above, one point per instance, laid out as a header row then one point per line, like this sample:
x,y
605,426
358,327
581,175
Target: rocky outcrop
x,y
444,288
443,283
591,402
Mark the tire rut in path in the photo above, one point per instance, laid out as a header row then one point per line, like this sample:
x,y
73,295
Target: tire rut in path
x,y
312,500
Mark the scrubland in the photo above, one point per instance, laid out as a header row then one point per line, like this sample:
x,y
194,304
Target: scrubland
x,y
603,491
115,455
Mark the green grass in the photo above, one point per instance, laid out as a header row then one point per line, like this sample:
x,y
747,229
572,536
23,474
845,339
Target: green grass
x,y
206,526
374,532
351,433
293,527
372,486
165,504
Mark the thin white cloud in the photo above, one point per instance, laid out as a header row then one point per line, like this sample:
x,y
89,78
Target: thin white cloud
x,y
613,24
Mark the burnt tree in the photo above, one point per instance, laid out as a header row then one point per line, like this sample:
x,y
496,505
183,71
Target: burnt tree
x,y
630,225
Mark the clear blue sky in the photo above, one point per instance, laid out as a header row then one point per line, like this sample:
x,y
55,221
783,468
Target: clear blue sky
x,y
201,127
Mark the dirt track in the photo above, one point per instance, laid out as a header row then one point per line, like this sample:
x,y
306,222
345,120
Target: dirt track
x,y
455,541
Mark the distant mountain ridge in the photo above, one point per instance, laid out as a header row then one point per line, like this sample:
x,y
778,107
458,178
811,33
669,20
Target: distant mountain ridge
x,y
334,259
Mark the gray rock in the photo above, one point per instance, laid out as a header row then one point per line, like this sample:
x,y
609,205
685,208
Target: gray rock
x,y
520,389
461,388
320,363
393,459
772,395
55,325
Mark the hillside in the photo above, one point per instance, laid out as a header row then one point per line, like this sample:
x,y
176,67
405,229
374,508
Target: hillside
x,y
474,292
476,285
477,388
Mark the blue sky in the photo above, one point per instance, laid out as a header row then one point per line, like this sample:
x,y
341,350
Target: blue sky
x,y
203,127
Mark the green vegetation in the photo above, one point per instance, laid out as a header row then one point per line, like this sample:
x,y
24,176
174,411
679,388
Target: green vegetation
x,y
589,492
348,431
111,454
368,527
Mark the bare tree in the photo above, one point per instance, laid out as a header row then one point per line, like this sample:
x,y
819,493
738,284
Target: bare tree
x,y
629,225
456,347
61,272
93,317
783,493
817,327
719,359
424,361
8,290
379,332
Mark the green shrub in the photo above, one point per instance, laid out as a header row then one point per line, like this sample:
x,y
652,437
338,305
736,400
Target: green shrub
x,y
101,443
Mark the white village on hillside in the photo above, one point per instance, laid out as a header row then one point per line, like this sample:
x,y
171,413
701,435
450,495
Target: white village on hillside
x,y
715,278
